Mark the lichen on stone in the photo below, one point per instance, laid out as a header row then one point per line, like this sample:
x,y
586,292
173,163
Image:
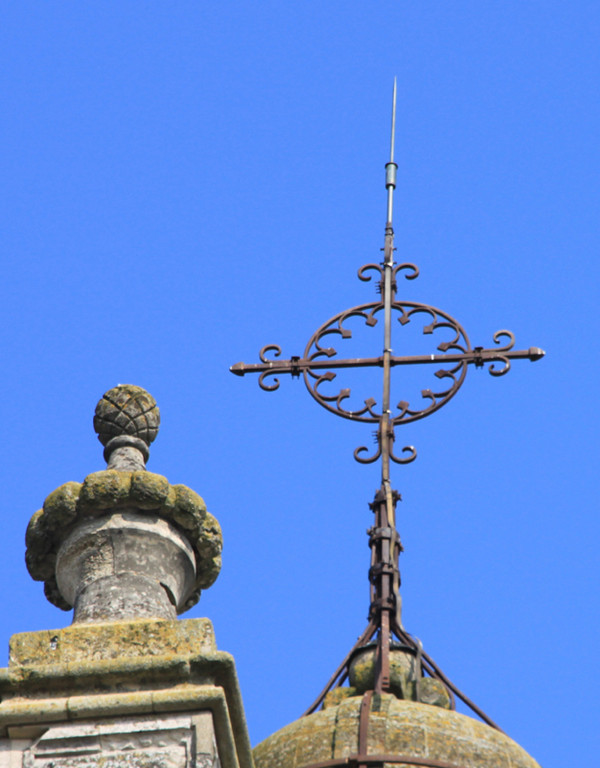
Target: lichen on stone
x,y
111,490
60,507
429,735
54,596
127,410
103,490
335,696
189,509
148,490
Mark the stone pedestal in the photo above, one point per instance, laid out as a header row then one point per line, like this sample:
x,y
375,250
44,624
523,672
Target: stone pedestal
x,y
137,694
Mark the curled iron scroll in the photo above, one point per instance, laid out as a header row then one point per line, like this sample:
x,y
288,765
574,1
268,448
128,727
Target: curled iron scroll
x,y
410,450
506,348
412,270
276,349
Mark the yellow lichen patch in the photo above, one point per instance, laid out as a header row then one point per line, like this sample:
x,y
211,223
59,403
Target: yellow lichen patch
x,y
433,692
124,639
60,507
111,490
335,697
148,491
189,508
209,544
400,728
104,490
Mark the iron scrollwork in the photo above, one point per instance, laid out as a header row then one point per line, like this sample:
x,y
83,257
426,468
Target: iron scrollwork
x,y
321,361
453,375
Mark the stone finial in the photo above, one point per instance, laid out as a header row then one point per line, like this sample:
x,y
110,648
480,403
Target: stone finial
x,y
124,544
127,421
406,680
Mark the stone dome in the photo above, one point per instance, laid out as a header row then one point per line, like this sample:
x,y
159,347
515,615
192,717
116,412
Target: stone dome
x,y
424,735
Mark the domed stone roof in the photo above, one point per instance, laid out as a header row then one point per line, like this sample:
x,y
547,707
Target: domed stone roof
x,y
424,735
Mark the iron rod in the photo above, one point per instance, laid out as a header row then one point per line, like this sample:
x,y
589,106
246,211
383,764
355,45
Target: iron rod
x,y
472,356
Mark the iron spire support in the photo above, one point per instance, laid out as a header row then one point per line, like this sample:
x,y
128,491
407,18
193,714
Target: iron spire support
x,y
319,366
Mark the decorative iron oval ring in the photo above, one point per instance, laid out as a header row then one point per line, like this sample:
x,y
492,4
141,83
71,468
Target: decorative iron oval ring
x,y
451,374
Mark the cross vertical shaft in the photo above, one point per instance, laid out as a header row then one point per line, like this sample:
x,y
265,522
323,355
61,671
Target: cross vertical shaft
x,y
388,275
384,550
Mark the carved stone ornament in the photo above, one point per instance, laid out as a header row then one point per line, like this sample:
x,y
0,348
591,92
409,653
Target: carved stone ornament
x,y
168,742
124,543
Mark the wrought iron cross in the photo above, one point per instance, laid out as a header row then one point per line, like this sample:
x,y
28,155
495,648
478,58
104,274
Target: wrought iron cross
x,y
318,364
318,367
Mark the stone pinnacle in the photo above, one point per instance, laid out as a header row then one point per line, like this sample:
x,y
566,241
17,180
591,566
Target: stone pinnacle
x,y
125,543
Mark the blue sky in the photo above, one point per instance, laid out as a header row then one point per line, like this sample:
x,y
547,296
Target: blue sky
x,y
186,182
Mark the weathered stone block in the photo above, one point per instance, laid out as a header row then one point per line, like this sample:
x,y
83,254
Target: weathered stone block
x,y
142,742
64,687
141,638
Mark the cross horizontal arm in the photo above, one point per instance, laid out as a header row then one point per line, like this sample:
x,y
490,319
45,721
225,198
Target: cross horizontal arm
x,y
297,365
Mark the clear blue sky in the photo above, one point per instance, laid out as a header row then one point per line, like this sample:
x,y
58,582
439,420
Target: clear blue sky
x,y
185,182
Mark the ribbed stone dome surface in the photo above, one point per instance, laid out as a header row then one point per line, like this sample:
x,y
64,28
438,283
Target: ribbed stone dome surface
x,y
397,727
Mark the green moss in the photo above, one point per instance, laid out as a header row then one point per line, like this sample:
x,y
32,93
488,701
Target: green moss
x,y
35,530
40,561
189,509
103,490
208,547
211,543
60,507
170,502
148,491
110,490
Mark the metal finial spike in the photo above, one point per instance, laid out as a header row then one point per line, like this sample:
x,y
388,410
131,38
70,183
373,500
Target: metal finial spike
x,y
391,167
393,124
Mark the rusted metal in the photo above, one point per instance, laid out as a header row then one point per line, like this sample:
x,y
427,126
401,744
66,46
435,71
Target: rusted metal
x,y
433,670
382,538
363,728
297,365
319,366
341,672
376,761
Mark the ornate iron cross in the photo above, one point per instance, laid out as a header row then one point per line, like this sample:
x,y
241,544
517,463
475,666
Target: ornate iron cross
x,y
318,366
319,362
